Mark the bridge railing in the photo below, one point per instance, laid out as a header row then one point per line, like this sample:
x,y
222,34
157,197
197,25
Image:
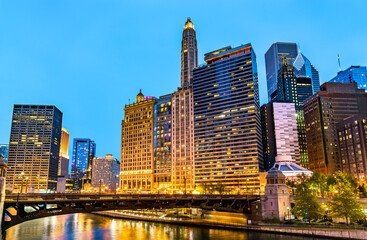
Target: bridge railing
x,y
74,196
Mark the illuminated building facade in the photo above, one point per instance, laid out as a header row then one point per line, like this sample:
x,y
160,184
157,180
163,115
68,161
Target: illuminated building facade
x,y
163,143
323,110
63,169
227,126
34,147
352,142
104,171
280,136
189,53
183,141
84,150
4,150
137,145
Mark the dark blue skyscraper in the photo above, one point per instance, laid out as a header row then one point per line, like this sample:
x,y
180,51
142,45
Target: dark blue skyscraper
x,y
84,150
304,69
273,62
352,74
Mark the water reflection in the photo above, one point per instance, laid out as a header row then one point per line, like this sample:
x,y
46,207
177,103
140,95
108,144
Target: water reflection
x,y
88,226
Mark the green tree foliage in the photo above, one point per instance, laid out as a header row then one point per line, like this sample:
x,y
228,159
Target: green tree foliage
x,y
344,202
306,205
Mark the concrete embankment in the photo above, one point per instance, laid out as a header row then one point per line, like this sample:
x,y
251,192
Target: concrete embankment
x,y
310,231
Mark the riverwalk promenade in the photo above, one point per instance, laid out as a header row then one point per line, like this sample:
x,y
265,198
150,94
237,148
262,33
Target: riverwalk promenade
x,y
331,232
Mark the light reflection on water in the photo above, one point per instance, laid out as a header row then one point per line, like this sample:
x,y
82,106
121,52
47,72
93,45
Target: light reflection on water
x,y
89,226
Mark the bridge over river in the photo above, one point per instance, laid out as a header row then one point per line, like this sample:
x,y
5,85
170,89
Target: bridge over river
x,y
24,207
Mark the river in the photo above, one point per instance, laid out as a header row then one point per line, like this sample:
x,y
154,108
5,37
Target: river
x,y
89,226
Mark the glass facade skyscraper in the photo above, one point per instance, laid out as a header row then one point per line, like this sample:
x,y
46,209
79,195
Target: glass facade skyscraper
x,y
84,150
273,62
304,69
34,147
4,149
357,74
227,127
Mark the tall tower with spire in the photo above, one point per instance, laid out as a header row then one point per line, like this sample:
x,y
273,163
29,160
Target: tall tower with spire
x,y
189,53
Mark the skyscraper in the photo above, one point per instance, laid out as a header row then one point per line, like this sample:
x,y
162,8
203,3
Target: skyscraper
x,y
163,143
323,110
104,171
189,53
352,143
34,147
227,127
357,74
280,135
63,169
183,141
295,90
84,150
273,62
182,115
304,69
4,149
137,145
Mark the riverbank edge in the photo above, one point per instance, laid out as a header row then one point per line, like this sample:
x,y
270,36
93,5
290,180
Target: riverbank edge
x,y
278,229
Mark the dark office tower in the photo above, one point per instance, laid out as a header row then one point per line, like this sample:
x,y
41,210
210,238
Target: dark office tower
x,y
189,53
84,151
34,148
323,110
227,127
273,62
295,90
353,74
304,69
352,136
163,143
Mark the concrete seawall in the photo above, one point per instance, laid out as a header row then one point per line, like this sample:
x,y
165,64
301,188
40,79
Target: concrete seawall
x,y
309,231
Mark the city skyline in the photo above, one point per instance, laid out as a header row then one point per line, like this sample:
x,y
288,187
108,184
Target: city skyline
x,y
105,104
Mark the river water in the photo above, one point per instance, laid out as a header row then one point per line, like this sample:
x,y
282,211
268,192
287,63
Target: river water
x,y
89,226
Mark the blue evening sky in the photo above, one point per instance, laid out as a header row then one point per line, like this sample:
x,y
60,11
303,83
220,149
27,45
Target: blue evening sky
x,y
89,57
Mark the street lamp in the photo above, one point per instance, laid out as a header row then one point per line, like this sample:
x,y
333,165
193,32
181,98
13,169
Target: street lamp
x,y
289,216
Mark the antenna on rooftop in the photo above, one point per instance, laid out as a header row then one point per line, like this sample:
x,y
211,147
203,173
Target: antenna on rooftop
x,y
129,101
340,69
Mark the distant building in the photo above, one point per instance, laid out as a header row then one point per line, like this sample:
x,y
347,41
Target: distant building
x,y
64,184
280,136
304,69
63,168
323,110
4,149
189,53
84,150
227,127
137,145
104,171
352,142
353,74
273,62
291,88
34,147
163,143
